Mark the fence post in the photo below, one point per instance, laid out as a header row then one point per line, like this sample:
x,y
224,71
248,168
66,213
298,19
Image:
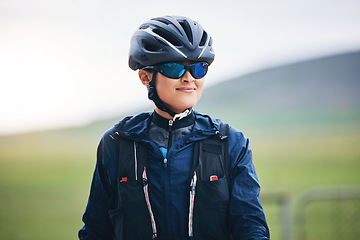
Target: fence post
x,y
282,199
321,193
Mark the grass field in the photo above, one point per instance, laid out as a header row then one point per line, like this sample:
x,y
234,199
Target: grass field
x,y
45,177
296,163
43,189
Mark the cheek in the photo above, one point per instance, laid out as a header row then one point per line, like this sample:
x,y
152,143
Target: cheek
x,y
163,89
199,94
200,85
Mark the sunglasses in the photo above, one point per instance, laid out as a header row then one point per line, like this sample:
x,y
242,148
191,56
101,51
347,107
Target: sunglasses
x,y
177,70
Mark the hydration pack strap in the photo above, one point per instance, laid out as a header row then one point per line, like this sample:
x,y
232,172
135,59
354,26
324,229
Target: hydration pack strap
x,y
217,144
132,160
132,167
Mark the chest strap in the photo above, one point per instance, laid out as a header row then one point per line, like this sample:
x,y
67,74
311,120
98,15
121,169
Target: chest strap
x,y
191,206
146,192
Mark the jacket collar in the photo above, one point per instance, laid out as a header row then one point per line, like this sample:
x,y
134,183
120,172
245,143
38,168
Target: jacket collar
x,y
136,127
164,123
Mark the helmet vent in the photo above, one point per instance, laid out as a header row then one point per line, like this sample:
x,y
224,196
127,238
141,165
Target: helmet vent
x,y
185,25
167,22
144,26
162,20
167,36
203,39
150,46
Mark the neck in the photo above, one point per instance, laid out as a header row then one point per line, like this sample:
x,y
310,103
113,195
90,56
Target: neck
x,y
163,113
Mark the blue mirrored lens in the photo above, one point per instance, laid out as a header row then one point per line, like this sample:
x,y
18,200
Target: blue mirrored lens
x,y
177,70
172,70
199,70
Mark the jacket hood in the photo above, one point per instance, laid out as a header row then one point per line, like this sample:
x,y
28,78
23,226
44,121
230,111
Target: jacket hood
x,y
136,127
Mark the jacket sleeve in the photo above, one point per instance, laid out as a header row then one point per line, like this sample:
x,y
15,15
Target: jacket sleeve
x,y
246,216
97,223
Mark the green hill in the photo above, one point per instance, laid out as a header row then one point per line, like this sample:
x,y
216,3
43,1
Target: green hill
x,y
302,120
319,91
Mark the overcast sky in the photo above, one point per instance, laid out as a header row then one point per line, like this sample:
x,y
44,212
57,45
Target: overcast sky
x,y
64,63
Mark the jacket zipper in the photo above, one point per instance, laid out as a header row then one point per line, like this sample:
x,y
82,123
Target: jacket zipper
x,y
171,122
165,179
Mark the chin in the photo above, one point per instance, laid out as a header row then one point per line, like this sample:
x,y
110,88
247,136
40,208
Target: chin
x,y
182,109
181,106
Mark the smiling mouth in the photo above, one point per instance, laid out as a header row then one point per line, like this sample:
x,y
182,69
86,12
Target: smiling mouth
x,y
186,89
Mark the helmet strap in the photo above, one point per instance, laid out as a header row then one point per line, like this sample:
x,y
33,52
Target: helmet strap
x,y
153,95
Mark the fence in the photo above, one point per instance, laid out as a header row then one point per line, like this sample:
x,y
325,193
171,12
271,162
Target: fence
x,y
319,213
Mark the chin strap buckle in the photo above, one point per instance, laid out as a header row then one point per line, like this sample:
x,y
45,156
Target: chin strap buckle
x,y
180,116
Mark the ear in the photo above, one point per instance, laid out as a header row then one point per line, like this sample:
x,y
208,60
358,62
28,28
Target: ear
x,y
145,77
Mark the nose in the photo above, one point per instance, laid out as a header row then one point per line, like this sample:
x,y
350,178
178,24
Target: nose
x,y
187,77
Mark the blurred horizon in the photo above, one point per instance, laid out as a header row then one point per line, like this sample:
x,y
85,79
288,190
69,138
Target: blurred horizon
x,y
148,105
64,64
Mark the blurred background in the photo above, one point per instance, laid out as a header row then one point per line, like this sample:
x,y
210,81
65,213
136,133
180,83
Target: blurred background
x,y
286,73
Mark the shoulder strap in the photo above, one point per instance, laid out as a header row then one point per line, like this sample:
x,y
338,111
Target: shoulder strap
x,y
211,154
224,131
102,173
131,160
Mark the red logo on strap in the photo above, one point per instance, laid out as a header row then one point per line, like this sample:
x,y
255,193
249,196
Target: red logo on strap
x,y
123,179
213,178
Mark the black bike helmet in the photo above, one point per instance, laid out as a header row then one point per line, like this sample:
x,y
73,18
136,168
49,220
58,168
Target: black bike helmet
x,y
170,39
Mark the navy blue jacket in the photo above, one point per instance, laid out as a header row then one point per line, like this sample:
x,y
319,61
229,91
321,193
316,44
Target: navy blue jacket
x,y
169,190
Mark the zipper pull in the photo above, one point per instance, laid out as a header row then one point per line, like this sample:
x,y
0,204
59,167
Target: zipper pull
x,y
182,115
171,122
193,184
192,201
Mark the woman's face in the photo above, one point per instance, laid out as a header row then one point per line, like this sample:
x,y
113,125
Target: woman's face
x,y
179,94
